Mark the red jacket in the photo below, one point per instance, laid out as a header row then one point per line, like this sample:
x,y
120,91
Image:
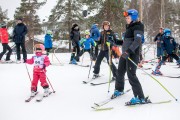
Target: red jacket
x,y
4,35
39,63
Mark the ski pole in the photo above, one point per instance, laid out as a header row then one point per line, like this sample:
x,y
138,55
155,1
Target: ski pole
x,y
110,67
28,72
155,80
90,66
82,57
49,82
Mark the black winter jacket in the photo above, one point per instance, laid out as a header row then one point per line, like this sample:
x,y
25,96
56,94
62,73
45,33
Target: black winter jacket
x,y
19,33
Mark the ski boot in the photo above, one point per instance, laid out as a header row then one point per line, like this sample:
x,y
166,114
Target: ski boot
x,y
73,62
33,93
136,100
116,94
46,92
95,76
157,71
18,61
9,61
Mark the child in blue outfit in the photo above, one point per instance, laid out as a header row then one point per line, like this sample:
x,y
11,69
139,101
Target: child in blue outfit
x,y
86,43
170,49
48,41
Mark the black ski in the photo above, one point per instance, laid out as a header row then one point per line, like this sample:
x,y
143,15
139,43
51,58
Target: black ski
x,y
30,98
40,99
100,104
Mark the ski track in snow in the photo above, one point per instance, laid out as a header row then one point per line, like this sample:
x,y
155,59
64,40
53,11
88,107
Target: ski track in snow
x,y
73,99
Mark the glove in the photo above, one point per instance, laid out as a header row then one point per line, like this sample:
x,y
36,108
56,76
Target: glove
x,y
44,66
125,55
74,44
108,44
175,51
165,53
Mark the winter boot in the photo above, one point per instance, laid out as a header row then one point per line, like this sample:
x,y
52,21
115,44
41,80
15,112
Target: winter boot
x,y
116,94
95,76
46,92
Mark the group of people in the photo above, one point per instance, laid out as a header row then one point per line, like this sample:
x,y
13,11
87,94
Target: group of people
x,y
106,40
91,42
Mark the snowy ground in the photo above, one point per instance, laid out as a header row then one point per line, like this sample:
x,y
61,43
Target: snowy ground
x,y
73,100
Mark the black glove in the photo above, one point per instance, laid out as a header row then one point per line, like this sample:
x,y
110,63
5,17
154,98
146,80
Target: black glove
x,y
175,51
125,55
74,44
165,53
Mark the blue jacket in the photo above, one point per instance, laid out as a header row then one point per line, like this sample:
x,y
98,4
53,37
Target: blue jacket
x,y
168,44
48,41
95,34
87,43
19,32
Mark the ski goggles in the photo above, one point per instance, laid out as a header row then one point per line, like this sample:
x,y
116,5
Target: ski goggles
x,y
125,14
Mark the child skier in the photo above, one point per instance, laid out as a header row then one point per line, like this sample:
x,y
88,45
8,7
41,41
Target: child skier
x,y
5,41
40,62
170,49
48,41
86,44
107,41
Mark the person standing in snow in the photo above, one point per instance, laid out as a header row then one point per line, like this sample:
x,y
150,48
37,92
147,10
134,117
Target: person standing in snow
x,y
107,40
48,41
75,37
170,49
157,39
40,62
130,49
4,37
19,32
95,34
86,43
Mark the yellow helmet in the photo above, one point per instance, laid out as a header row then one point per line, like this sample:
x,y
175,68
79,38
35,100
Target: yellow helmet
x,y
87,32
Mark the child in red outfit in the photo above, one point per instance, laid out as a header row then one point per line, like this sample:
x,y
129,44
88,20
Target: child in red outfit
x,y
4,40
40,62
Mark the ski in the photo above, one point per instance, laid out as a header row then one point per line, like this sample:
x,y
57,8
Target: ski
x,y
100,104
95,84
149,102
88,81
83,65
30,98
102,109
164,75
41,98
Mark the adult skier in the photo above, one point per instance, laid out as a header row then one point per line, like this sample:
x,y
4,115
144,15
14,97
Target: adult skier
x,y
130,49
4,38
157,39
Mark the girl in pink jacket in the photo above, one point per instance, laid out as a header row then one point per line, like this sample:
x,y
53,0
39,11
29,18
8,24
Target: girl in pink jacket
x,y
40,62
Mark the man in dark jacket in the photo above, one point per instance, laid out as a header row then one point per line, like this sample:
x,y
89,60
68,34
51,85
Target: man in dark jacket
x,y
107,41
158,40
20,32
75,37
95,34
130,49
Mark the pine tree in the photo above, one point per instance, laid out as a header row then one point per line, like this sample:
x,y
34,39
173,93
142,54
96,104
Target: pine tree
x,y
3,15
68,12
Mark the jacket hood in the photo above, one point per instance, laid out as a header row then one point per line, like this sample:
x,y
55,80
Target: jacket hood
x,y
93,26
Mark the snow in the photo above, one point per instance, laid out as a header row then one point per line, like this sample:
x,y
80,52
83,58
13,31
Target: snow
x,y
73,100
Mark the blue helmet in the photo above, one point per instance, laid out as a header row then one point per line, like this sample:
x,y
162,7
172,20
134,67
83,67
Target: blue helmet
x,y
134,14
167,32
